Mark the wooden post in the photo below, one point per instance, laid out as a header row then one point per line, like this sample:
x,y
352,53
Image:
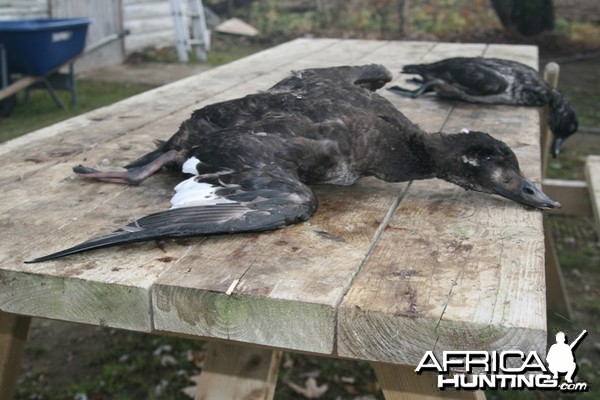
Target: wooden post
x,y
592,176
13,334
233,371
551,71
556,292
400,382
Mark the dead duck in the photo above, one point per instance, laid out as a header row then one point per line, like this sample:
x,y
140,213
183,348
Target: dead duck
x,y
494,81
246,164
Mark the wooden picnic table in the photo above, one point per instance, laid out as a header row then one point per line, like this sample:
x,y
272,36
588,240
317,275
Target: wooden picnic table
x,y
382,272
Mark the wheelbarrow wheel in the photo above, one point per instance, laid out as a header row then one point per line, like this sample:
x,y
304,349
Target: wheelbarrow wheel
x,y
7,105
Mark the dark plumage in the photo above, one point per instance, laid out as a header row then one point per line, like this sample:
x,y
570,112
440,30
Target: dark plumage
x,y
494,81
248,161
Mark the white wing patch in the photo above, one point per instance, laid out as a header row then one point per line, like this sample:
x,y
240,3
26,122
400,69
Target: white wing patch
x,y
191,193
189,166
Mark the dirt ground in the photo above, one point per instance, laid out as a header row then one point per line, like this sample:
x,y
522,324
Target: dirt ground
x,y
58,353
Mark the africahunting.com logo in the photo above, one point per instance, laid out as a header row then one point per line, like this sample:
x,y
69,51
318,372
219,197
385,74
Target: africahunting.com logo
x,y
510,369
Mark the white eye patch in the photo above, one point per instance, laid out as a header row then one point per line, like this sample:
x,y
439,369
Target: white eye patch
x,y
497,175
471,161
465,130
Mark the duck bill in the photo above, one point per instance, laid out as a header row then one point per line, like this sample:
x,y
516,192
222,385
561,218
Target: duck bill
x,y
556,145
528,194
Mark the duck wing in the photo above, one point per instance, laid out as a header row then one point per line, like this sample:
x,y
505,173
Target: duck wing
x,y
246,201
370,77
475,76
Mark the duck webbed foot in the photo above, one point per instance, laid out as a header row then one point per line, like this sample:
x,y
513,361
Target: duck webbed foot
x,y
132,175
424,88
418,81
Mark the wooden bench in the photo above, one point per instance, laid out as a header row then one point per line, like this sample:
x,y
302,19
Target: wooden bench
x,y
579,198
383,272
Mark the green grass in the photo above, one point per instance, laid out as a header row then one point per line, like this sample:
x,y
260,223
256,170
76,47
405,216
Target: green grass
x,y
224,49
41,111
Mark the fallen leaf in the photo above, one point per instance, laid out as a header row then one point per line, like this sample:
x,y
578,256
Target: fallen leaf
x,y
164,348
197,357
167,360
189,391
194,378
350,389
288,362
310,389
159,389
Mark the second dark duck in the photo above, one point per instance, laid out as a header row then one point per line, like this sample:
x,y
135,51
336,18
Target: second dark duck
x,y
494,81
246,164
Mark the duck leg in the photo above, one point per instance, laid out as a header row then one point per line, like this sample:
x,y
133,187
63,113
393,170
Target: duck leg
x,y
131,176
424,88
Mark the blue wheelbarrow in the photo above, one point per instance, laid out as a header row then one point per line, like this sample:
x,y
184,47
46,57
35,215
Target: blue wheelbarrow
x,y
35,50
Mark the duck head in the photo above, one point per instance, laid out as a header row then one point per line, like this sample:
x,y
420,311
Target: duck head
x,y
477,161
562,120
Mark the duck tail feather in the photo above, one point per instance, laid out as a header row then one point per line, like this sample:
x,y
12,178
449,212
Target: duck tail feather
x,y
184,222
116,238
372,77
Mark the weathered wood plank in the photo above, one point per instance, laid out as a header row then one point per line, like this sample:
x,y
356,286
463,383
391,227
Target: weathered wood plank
x,y
237,372
449,257
423,279
592,176
277,288
17,86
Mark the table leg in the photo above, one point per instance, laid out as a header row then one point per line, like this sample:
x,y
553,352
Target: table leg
x,y
13,334
399,382
233,371
556,291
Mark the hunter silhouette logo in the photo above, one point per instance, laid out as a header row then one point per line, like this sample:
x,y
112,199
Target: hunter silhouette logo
x,y
506,369
560,357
